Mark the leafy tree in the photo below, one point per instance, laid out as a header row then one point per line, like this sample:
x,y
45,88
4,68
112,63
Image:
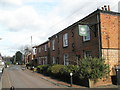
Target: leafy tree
x,y
18,57
93,68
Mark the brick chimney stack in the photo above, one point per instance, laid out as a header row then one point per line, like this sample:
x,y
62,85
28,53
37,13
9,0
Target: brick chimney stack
x,y
108,7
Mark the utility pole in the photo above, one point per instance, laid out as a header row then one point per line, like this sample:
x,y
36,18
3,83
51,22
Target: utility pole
x,y
31,41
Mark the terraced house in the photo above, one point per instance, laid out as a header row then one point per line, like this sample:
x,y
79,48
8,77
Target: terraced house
x,y
42,53
103,40
69,46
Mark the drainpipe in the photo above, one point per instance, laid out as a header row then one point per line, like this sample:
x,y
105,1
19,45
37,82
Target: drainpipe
x,y
99,34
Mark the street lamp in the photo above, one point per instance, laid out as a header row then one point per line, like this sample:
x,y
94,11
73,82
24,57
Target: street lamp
x,y
71,80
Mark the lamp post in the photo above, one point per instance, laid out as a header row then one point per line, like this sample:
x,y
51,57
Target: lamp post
x,y
71,80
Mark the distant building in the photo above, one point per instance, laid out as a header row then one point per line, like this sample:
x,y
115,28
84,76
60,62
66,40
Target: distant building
x,y
42,56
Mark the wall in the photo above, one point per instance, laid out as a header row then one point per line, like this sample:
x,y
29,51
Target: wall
x,y
110,40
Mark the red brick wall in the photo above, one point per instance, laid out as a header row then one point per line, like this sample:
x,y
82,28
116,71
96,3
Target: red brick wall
x,y
54,53
79,45
110,35
43,53
109,28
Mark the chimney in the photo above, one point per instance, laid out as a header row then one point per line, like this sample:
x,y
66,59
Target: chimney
x,y
108,7
105,7
102,8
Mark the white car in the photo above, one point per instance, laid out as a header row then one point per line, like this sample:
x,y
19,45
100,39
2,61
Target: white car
x,y
1,70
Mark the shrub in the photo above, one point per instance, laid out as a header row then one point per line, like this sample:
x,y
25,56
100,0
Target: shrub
x,y
93,68
54,70
66,70
42,69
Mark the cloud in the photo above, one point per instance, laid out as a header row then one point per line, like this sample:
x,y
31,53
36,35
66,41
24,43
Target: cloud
x,y
11,2
23,19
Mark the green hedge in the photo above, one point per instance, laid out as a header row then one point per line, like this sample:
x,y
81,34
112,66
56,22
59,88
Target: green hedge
x,y
59,71
90,68
42,69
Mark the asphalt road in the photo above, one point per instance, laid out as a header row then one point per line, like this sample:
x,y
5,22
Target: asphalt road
x,y
14,76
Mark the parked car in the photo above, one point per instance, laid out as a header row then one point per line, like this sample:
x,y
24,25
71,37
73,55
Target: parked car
x,y
2,65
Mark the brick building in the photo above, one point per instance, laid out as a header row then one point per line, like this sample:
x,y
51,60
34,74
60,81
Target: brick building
x,y
102,40
42,53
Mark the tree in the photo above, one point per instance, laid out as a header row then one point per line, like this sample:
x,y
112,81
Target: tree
x,y
18,57
93,68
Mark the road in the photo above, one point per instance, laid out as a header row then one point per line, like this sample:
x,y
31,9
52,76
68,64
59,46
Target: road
x,y
14,76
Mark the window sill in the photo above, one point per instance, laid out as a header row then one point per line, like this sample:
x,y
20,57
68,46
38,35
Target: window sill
x,y
86,41
65,46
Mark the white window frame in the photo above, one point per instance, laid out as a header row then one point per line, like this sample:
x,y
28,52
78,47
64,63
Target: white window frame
x,y
39,49
53,59
53,44
45,60
66,59
86,53
65,40
45,47
86,38
39,60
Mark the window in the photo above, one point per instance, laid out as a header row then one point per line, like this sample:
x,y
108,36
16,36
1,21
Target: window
x,y
53,44
39,50
87,54
45,60
46,47
86,38
53,60
65,40
66,60
39,61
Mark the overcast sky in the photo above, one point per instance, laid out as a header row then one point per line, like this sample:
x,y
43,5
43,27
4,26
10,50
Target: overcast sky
x,y
21,19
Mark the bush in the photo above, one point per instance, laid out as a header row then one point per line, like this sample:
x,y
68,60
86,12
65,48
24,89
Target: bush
x,y
66,70
42,69
93,68
54,70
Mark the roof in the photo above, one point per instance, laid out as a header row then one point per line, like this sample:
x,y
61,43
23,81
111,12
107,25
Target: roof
x,y
93,13
40,44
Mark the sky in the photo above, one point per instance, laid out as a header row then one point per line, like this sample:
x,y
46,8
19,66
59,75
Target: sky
x,y
21,19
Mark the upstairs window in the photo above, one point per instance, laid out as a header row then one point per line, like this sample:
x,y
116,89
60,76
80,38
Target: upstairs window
x,y
65,40
45,47
66,60
53,44
39,50
86,38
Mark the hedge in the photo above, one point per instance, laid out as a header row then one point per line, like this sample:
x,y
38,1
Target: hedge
x,y
90,68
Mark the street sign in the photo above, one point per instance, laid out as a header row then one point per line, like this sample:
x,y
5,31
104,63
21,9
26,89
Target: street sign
x,y
83,29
